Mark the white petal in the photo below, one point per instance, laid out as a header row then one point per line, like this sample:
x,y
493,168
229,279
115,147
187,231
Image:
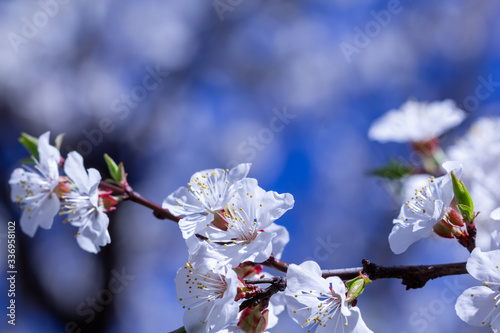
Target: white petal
x,y
258,250
93,232
239,172
94,181
74,169
495,215
478,308
484,266
257,204
47,152
193,224
403,235
279,242
183,203
17,189
306,276
42,214
356,323
196,320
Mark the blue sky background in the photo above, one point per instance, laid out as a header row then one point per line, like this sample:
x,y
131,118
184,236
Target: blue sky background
x,y
222,79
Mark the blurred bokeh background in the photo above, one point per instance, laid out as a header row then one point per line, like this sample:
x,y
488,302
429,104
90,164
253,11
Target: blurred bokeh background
x,y
173,87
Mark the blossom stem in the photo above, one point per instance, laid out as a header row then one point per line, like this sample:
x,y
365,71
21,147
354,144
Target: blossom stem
x,y
128,194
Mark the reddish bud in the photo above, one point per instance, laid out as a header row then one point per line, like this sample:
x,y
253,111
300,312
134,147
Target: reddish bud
x,y
248,269
252,320
426,148
443,229
107,201
454,218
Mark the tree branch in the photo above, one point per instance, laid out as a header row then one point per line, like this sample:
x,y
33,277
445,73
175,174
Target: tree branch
x,y
277,285
274,263
129,194
413,277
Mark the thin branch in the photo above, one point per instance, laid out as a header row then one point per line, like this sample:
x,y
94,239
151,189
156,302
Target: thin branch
x,y
279,284
276,264
413,277
129,194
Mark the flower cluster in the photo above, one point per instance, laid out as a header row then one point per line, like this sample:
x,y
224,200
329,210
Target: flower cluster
x,y
42,192
229,226
227,221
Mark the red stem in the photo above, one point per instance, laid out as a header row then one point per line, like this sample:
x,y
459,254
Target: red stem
x,y
129,194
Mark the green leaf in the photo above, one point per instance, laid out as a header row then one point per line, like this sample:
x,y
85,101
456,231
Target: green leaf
x,y
179,330
123,175
114,170
30,143
392,171
59,140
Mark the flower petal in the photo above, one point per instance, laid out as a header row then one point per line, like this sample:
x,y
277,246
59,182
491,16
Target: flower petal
x,y
74,169
476,306
484,266
403,235
39,214
280,240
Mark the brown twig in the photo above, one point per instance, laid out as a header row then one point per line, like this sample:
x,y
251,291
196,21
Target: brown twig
x,y
413,277
277,285
129,194
276,264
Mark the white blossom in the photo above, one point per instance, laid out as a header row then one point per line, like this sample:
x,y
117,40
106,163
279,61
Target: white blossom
x,y
479,306
36,190
416,122
207,193
82,205
423,210
314,301
207,291
245,230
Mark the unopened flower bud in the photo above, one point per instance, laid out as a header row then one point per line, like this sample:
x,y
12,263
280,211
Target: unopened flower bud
x,y
356,286
252,320
463,198
248,269
443,229
107,201
454,217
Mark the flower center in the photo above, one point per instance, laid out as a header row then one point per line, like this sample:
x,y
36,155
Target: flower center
x,y
422,202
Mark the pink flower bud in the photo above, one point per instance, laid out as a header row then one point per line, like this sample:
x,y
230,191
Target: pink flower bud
x,y
248,269
454,218
443,229
252,320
